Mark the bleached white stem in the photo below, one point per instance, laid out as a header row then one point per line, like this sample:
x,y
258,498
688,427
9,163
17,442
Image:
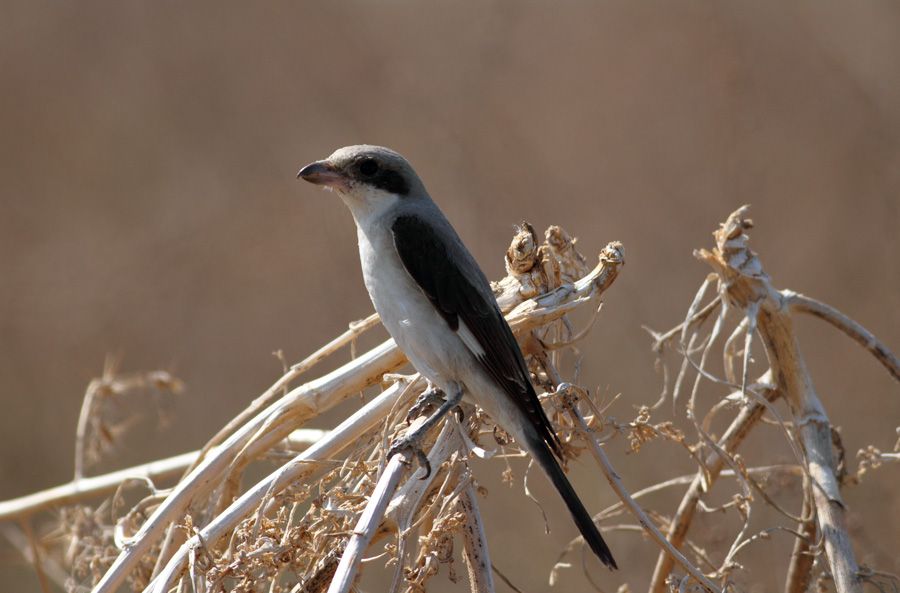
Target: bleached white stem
x,y
475,550
280,418
368,523
85,488
301,467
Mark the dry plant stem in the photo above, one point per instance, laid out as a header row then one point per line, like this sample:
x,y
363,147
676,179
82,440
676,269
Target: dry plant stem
x,y
405,504
87,406
804,304
475,550
23,540
800,569
85,488
301,467
687,479
280,418
105,484
37,561
649,526
355,330
368,524
744,283
546,307
174,536
401,513
705,478
699,317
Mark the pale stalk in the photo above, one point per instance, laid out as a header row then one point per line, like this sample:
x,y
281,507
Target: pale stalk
x,y
619,488
302,467
744,283
475,548
281,418
368,524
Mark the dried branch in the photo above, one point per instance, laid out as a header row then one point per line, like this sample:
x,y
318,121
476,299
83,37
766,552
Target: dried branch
x,y
94,432
304,466
804,304
279,420
706,476
23,540
619,488
475,548
799,574
369,523
86,488
356,329
746,286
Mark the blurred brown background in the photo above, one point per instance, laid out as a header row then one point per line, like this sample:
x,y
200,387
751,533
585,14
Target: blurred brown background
x,y
148,206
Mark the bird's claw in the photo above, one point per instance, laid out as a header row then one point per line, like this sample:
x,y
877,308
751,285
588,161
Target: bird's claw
x,y
411,444
432,396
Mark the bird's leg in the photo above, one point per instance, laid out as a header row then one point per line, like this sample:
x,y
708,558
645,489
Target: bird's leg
x,y
432,396
411,441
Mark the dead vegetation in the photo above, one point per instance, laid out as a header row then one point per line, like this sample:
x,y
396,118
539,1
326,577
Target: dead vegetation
x,y
336,506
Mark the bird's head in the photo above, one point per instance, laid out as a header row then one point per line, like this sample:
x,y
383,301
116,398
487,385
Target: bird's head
x,y
370,179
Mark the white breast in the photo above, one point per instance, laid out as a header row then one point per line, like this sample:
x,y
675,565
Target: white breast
x,y
433,348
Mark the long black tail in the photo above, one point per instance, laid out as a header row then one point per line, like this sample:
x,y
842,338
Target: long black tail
x,y
545,458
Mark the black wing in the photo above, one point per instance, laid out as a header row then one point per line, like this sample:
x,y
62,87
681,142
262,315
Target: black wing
x,y
433,260
449,276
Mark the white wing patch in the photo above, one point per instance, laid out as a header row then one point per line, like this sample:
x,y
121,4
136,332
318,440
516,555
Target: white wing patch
x,y
469,339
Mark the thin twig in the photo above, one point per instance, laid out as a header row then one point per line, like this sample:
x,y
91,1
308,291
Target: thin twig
x,y
713,464
613,478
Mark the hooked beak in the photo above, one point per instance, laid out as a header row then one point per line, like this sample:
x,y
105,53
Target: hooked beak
x,y
323,173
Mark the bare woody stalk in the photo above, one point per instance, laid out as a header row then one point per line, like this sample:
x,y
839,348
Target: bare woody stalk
x,y
804,304
799,572
173,535
303,466
279,420
354,331
95,486
368,523
746,286
706,476
475,548
619,488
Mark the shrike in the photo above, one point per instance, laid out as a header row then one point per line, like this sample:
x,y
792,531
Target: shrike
x,y
438,306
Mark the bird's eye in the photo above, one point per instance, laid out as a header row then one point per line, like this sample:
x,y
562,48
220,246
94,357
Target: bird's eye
x,y
368,167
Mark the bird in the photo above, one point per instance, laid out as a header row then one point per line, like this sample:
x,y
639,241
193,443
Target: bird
x,y
437,304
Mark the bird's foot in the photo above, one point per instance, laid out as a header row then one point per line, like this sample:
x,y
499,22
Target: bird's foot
x,y
411,443
431,397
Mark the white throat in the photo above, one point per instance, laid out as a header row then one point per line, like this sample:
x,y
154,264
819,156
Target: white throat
x,y
368,204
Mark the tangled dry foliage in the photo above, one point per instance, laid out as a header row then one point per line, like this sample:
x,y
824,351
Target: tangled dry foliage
x,y
305,527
